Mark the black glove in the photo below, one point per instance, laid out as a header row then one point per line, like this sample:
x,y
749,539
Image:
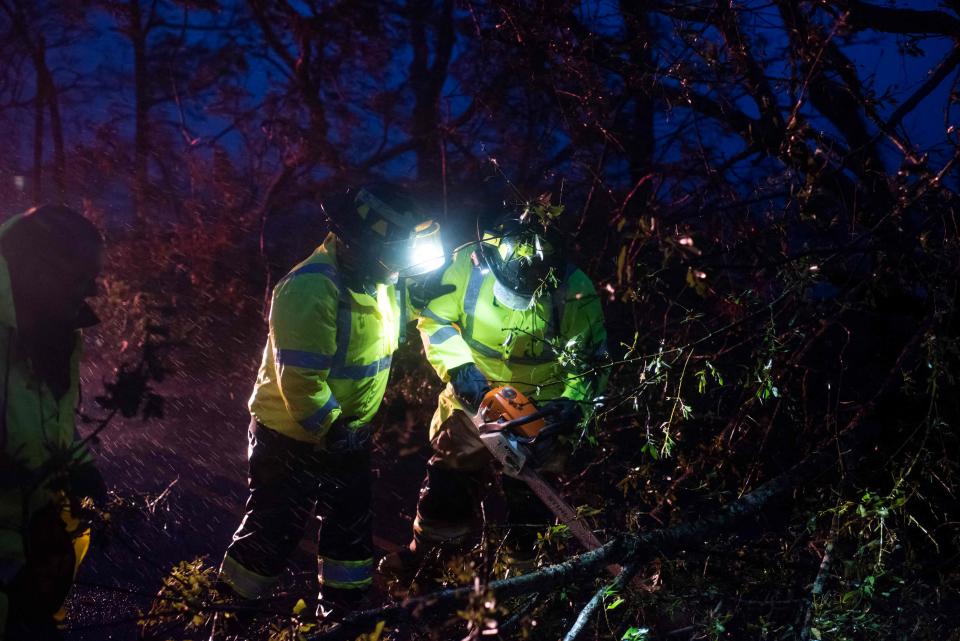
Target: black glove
x,y
565,416
85,480
544,448
424,288
470,385
343,438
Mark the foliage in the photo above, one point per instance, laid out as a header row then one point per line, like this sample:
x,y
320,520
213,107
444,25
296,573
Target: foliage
x,y
768,230
181,599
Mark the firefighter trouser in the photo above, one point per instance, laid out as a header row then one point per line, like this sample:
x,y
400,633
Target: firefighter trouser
x,y
449,505
288,479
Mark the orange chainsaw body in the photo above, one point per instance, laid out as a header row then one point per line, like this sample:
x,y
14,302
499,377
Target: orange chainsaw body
x,y
504,404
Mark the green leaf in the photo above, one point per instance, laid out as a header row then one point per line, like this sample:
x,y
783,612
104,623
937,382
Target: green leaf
x,y
300,606
651,449
616,603
635,634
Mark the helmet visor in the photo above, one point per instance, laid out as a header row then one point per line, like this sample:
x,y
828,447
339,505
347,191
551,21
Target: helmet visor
x,y
419,254
522,268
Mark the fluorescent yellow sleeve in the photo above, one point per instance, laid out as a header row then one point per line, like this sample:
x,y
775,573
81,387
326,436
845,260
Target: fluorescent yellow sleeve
x,y
441,322
583,328
303,337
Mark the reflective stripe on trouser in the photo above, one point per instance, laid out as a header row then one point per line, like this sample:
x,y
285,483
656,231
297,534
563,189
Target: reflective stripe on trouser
x,y
346,575
246,583
449,505
287,480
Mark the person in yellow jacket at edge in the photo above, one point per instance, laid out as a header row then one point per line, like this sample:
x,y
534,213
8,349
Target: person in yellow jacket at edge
x,y
50,258
335,320
517,314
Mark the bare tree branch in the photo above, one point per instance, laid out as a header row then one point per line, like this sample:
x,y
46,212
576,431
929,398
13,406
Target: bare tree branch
x,y
583,619
864,15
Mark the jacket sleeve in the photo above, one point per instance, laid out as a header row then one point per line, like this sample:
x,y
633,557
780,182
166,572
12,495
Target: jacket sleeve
x,y
584,332
442,319
303,337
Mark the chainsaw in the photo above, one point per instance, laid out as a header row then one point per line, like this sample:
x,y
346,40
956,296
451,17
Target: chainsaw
x,y
509,424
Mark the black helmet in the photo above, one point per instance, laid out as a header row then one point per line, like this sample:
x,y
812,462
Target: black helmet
x,y
525,260
385,225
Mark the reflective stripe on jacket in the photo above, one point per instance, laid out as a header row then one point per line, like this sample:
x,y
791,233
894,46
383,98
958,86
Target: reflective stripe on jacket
x,y
35,429
328,350
509,346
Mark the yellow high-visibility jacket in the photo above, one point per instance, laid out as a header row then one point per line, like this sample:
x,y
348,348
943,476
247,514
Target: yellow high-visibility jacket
x,y
520,348
37,432
328,350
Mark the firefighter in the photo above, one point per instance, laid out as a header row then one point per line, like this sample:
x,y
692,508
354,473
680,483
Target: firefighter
x,y
517,314
335,321
49,260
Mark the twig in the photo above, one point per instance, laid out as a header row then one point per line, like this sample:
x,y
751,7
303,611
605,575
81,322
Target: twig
x,y
817,590
152,505
936,76
590,609
506,628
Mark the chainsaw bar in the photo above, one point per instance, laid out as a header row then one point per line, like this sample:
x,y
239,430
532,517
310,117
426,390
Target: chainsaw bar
x,y
512,457
507,423
564,513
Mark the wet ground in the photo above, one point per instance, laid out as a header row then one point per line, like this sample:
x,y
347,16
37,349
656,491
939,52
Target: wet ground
x,y
183,481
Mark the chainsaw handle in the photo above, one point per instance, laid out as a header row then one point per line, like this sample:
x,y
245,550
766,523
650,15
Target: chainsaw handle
x,y
498,428
529,418
549,430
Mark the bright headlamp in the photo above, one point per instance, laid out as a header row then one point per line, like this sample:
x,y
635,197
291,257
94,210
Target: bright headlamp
x,y
419,254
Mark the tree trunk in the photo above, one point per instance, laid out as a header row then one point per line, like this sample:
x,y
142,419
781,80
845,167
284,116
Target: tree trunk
x,y
59,155
641,141
51,100
141,144
38,143
427,82
44,88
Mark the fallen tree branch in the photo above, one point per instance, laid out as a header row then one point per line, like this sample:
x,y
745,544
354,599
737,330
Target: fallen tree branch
x,y
586,565
817,590
634,550
590,609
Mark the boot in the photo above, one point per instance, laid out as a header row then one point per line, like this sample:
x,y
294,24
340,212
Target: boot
x,y
333,604
519,553
227,627
233,625
402,566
